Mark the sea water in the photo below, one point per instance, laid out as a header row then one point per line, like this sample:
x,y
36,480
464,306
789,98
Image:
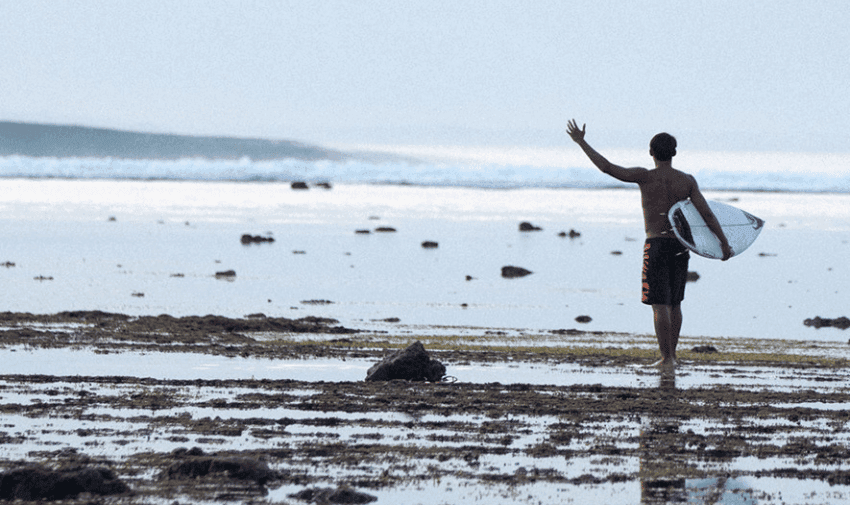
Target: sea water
x,y
154,247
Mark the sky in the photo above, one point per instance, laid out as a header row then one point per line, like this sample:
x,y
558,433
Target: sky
x,y
720,75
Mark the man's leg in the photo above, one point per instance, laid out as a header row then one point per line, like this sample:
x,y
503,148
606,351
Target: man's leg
x,y
676,325
665,331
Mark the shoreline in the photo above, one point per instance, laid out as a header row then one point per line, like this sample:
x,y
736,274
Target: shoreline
x,y
727,420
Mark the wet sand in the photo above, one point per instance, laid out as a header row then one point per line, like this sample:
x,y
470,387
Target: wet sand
x,y
762,422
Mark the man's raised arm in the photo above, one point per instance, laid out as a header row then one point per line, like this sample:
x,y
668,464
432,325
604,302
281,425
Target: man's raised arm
x,y
615,171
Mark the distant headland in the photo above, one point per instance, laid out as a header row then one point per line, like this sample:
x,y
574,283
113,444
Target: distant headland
x,y
57,141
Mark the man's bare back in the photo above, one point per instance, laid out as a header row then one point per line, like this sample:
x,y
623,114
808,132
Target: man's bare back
x,y
659,190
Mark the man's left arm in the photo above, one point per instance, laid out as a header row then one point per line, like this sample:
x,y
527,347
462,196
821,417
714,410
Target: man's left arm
x,y
710,219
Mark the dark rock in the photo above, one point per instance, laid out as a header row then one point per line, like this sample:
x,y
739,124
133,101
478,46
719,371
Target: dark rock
x,y
841,323
255,239
299,185
511,272
362,232
38,483
526,226
328,495
572,234
226,274
317,302
325,185
385,229
706,349
197,464
428,244
616,253
412,363
584,319
693,277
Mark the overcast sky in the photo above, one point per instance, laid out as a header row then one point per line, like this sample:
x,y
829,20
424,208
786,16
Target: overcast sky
x,y
720,75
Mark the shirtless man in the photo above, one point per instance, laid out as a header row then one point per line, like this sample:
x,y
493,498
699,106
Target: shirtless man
x,y
665,260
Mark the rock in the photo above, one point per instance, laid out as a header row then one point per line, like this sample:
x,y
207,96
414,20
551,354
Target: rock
x,y
412,363
255,239
584,319
616,253
362,232
7,264
706,349
38,483
526,226
227,274
841,323
197,464
385,229
572,234
512,272
329,495
325,185
692,277
299,185
317,302
428,244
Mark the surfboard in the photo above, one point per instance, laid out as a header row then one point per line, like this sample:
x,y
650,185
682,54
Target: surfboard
x,y
741,228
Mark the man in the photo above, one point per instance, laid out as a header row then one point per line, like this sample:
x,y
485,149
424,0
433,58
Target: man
x,y
665,261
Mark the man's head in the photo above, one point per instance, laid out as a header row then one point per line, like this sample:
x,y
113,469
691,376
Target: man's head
x,y
662,147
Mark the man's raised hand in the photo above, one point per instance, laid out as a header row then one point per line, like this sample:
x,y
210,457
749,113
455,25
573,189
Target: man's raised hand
x,y
572,129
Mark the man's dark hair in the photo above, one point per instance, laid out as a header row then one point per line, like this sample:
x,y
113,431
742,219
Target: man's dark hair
x,y
663,147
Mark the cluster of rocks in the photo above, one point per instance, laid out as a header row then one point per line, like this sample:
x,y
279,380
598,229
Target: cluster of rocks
x,y
247,238
301,185
39,483
841,323
194,463
330,495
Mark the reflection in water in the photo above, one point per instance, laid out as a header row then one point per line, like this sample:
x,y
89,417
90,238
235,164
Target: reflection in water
x,y
664,462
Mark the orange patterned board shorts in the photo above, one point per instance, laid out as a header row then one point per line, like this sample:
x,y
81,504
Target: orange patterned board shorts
x,y
665,271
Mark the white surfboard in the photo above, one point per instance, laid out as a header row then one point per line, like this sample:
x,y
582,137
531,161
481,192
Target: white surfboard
x,y
741,228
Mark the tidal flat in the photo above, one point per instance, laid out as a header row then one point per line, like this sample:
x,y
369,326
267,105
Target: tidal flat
x,y
270,410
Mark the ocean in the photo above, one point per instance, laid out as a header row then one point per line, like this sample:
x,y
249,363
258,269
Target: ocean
x,y
473,167
147,237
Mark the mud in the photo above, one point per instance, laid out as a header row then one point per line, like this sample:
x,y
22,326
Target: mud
x,y
287,441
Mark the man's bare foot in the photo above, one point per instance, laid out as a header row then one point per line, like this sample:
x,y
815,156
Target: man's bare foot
x,y
664,363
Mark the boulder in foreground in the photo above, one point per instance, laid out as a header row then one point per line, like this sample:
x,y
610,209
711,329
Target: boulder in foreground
x,y
412,363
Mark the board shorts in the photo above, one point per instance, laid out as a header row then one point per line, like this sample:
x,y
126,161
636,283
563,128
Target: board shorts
x,y
665,271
